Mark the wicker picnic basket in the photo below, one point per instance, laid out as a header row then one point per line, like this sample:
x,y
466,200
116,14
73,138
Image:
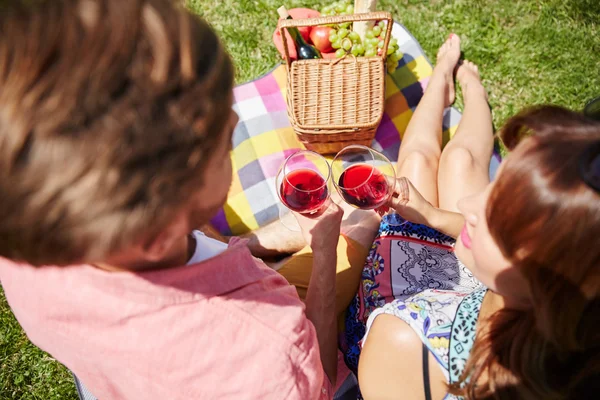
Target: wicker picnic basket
x,y
333,103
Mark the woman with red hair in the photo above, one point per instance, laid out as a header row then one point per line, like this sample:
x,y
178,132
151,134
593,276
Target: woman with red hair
x,y
531,237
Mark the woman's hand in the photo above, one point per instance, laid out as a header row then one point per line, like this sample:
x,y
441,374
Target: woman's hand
x,y
322,231
410,204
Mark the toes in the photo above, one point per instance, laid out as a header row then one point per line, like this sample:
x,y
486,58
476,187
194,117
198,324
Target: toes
x,y
449,51
450,43
468,68
471,66
443,48
454,39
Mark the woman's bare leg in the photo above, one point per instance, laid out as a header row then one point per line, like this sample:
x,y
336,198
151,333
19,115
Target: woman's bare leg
x,y
422,142
465,162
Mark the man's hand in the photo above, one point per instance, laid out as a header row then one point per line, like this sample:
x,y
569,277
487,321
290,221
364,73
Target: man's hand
x,y
322,231
410,204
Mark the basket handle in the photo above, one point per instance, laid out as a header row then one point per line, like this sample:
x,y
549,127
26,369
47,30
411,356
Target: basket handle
x,y
336,19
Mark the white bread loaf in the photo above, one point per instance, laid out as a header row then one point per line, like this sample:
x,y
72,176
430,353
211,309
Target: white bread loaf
x,y
363,6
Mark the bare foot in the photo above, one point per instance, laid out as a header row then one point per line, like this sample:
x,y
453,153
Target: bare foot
x,y
467,75
447,58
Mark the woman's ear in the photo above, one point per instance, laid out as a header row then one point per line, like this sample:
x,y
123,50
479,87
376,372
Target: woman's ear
x,y
158,248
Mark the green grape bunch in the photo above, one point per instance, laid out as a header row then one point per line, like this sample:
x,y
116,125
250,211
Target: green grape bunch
x,y
345,41
342,7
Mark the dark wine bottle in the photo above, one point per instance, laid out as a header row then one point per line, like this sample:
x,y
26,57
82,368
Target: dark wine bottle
x,y
305,51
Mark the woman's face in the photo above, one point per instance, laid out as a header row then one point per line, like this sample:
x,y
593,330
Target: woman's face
x,y
478,251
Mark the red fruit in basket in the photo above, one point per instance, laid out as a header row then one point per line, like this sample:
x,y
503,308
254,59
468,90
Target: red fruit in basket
x,y
295,13
319,36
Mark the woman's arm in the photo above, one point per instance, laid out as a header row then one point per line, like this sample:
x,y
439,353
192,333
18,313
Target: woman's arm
x,y
411,205
391,363
447,222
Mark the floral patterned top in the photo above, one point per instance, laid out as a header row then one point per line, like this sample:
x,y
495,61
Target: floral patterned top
x,y
405,259
444,320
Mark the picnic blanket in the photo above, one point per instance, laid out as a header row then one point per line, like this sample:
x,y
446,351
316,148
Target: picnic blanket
x,y
264,138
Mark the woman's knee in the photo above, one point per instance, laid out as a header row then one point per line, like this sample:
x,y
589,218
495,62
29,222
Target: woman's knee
x,y
420,160
457,157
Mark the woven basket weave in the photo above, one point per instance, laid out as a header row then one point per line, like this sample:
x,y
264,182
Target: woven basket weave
x,y
335,103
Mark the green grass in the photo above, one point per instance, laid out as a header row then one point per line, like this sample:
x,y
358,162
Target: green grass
x,y
26,372
529,52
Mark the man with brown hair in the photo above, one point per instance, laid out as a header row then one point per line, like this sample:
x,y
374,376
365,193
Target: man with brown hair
x,y
115,131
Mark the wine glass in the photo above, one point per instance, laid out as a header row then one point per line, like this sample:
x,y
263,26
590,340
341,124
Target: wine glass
x,y
365,179
302,185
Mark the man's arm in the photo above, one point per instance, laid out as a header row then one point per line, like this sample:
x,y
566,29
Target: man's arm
x,y
322,233
320,308
275,240
270,241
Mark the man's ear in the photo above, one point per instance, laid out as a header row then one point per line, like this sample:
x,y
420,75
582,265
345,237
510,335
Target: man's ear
x,y
158,248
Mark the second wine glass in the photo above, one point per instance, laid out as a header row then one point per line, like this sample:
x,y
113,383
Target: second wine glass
x,y
365,178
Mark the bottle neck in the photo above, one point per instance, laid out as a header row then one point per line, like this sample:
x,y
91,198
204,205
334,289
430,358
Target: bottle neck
x,y
298,39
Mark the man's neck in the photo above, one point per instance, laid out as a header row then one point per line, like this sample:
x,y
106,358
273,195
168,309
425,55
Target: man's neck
x,y
179,254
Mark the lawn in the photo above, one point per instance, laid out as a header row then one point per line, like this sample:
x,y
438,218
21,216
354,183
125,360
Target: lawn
x,y
529,52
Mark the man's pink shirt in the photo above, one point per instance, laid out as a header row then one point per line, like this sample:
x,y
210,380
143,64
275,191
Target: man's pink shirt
x,y
226,328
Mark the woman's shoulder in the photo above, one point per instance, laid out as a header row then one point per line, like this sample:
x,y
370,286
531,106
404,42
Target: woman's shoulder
x,y
436,316
424,325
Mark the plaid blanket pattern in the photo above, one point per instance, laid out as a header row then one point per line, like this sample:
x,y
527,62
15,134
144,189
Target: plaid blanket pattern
x,y
264,138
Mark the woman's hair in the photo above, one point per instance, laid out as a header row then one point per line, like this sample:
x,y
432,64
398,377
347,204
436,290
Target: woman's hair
x,y
109,111
544,214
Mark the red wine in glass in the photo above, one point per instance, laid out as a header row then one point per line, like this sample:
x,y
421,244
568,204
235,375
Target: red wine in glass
x,y
304,191
364,186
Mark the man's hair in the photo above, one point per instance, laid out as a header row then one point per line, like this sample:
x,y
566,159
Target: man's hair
x,y
109,110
